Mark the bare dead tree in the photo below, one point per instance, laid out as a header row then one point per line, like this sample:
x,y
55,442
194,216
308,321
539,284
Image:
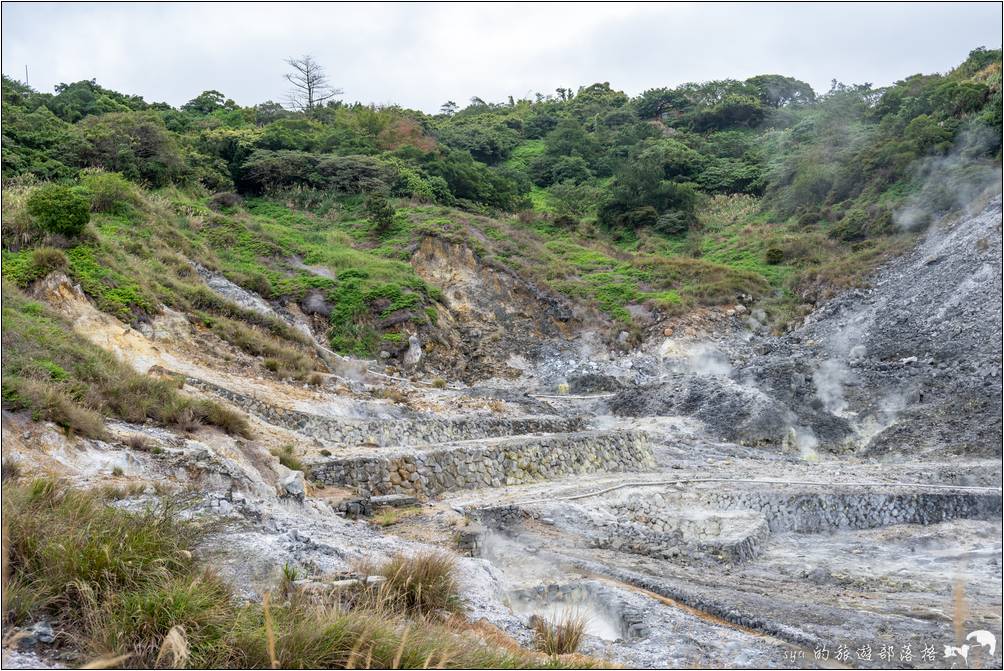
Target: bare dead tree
x,y
310,85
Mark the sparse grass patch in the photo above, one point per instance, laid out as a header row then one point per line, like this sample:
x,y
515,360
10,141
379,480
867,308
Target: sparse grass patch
x,y
57,375
287,457
68,550
386,517
280,358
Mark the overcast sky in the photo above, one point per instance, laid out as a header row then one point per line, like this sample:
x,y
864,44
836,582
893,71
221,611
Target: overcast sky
x,y
420,55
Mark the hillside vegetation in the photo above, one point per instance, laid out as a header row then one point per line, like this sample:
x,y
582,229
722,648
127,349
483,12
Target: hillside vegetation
x,y
704,193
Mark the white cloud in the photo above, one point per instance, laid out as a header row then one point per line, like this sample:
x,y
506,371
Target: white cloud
x,y
420,55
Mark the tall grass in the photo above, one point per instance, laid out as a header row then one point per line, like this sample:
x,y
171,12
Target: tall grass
x,y
420,584
123,589
559,637
67,550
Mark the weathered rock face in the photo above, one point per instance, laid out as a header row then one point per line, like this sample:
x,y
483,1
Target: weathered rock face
x,y
648,526
490,314
929,342
910,365
235,293
730,411
508,462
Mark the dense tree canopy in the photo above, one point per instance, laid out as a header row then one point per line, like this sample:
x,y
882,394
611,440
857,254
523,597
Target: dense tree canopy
x,y
592,152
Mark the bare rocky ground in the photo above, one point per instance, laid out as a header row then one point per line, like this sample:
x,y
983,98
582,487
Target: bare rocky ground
x,y
715,497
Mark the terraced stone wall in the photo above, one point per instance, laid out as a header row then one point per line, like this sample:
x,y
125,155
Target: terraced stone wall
x,y
509,462
393,432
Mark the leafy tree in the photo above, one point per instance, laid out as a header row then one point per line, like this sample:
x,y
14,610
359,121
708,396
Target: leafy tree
x,y
647,180
208,102
673,222
539,123
569,138
732,111
656,103
268,171
75,101
37,143
779,91
594,99
709,94
354,174
136,144
570,169
484,136
269,111
295,132
928,135
573,199
265,171
474,181
730,175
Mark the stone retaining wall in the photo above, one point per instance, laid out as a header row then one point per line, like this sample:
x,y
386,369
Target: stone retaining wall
x,y
648,526
815,511
393,432
507,462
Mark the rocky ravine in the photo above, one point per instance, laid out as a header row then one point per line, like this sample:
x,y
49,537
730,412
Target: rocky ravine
x,y
910,366
731,499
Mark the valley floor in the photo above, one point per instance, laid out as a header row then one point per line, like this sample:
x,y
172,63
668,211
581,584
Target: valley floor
x,y
703,499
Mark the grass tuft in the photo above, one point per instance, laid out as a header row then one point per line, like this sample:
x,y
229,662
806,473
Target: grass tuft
x,y
561,637
287,457
418,585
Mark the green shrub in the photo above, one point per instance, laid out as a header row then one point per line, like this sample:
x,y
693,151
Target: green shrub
x,y
380,212
774,256
809,217
672,223
109,191
641,217
858,224
59,209
135,144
